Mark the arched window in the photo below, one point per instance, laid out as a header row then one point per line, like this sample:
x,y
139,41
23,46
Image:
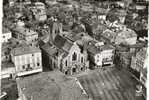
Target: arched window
x,y
66,63
74,57
81,59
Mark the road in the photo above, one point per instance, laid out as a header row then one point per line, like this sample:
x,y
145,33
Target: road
x,y
10,87
109,84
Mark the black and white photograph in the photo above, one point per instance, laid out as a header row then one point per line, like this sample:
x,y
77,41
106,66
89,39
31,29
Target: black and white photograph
x,y
74,49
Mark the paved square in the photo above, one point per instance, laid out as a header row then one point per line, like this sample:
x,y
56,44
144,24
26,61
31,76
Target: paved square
x,y
109,84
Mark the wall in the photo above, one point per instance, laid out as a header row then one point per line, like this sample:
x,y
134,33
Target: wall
x,y
77,64
28,60
6,36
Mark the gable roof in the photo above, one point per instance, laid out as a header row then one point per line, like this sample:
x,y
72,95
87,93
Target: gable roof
x,y
62,43
49,49
59,41
24,50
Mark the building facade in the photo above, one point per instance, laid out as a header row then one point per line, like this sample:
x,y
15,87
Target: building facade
x,y
27,60
138,60
39,11
100,54
119,35
6,35
27,35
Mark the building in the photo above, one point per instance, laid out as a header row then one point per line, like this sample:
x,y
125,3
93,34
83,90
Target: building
x,y
27,60
100,54
6,35
126,36
66,55
56,29
139,60
143,80
5,53
51,56
120,36
109,36
7,70
11,2
49,86
39,11
102,13
26,34
124,57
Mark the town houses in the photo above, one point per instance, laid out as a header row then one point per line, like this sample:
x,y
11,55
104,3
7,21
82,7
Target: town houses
x,y
74,49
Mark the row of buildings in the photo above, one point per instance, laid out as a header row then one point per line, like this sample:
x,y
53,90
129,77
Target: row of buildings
x,y
71,50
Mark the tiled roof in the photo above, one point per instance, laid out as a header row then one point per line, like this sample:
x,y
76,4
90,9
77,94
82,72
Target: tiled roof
x,y
98,27
59,41
62,43
67,46
24,50
108,34
48,48
95,50
128,33
24,31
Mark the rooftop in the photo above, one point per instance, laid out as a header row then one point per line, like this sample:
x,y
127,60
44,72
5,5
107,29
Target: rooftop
x,y
62,43
128,33
25,31
24,50
48,48
92,48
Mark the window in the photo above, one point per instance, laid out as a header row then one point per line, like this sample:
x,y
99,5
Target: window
x,y
28,65
74,57
32,54
38,64
82,59
23,67
66,63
